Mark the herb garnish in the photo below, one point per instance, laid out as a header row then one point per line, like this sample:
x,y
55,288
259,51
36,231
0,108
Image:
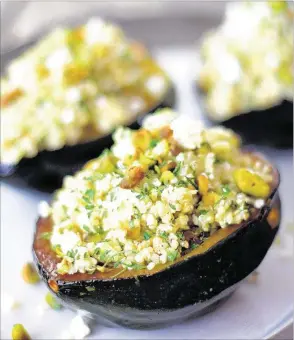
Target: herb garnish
x,y
153,143
146,236
86,228
192,182
177,168
225,190
172,206
172,255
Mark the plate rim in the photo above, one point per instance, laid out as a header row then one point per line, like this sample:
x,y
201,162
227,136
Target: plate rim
x,y
281,325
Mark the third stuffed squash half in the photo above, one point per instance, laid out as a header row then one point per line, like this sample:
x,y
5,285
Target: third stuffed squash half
x,y
245,80
162,226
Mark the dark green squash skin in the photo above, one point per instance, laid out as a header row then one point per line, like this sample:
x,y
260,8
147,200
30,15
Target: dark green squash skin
x,y
272,126
183,290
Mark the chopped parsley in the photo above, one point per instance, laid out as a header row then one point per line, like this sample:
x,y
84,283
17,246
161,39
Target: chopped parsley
x,y
86,228
153,143
225,190
172,255
146,236
71,253
190,180
177,168
164,235
173,206
89,195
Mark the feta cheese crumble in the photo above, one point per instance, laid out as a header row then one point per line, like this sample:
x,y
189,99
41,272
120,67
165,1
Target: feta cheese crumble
x,y
78,328
8,303
154,196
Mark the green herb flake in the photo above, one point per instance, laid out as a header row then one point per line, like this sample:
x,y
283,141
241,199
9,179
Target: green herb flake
x,y
90,193
137,266
153,143
192,182
181,183
116,264
112,196
86,228
146,236
157,169
164,235
172,255
70,253
177,168
225,190
194,246
172,206
203,212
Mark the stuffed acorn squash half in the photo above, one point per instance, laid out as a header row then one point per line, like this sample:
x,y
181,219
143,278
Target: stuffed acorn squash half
x,y
63,97
245,80
161,227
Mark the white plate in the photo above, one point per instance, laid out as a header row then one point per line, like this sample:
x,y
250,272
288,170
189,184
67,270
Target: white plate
x,y
255,311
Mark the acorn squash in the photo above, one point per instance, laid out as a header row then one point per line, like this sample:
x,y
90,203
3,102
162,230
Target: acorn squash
x,y
193,284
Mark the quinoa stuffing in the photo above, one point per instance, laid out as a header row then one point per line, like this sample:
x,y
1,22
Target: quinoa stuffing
x,y
73,86
158,193
247,62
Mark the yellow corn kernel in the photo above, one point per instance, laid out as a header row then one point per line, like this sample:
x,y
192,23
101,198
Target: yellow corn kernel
x,y
19,332
166,176
29,274
141,139
73,74
203,184
210,198
251,183
42,71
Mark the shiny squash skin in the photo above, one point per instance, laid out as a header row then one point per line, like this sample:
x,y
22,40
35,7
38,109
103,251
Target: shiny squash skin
x,y
193,285
272,126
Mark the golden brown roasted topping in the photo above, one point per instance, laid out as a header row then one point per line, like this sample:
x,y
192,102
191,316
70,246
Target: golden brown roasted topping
x,y
134,176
